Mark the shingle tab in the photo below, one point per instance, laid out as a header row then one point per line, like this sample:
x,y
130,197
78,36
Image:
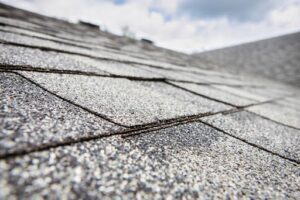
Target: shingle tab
x,y
279,113
185,75
243,92
35,58
31,118
272,136
124,101
189,161
116,68
215,93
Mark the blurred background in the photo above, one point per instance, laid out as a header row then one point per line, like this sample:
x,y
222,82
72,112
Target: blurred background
x,y
189,26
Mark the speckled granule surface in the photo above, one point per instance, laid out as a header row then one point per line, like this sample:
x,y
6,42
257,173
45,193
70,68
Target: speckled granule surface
x,y
35,58
278,112
217,94
85,114
30,117
124,101
276,58
255,129
189,161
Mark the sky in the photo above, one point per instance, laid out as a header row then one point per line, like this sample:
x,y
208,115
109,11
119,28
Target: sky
x,y
184,25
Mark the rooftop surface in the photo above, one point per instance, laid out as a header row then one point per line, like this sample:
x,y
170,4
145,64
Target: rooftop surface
x,y
85,114
276,58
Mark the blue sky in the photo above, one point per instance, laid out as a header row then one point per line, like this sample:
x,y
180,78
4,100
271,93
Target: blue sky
x,y
184,25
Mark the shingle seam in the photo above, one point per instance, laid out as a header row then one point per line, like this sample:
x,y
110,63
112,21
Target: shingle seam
x,y
234,94
214,83
46,33
226,103
252,144
277,98
124,134
71,72
28,68
267,101
109,59
39,28
10,8
131,131
64,99
48,39
58,40
144,79
70,41
275,121
180,119
171,120
7,67
189,118
76,53
201,95
181,70
41,32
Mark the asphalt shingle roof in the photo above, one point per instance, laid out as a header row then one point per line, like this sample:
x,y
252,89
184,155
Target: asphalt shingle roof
x,y
275,58
87,114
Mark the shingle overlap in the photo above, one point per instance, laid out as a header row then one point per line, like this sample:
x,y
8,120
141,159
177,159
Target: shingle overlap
x,y
257,130
188,161
124,101
32,118
218,94
279,113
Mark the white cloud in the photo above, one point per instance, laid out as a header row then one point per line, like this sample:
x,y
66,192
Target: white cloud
x,y
148,19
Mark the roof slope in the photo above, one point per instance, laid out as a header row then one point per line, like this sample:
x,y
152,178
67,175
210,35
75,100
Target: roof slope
x,y
275,58
90,115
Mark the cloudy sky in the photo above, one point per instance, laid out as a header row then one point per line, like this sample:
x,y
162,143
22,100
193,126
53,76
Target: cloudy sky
x,y
184,25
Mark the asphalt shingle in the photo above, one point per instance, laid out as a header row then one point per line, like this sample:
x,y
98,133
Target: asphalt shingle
x,y
274,58
124,101
215,93
243,93
31,118
116,68
189,161
34,58
256,130
185,75
279,113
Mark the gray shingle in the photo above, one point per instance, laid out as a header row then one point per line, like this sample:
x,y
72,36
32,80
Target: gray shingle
x,y
41,43
97,53
31,118
19,23
292,102
274,58
279,113
116,68
35,58
186,75
256,130
244,92
124,101
215,93
188,161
